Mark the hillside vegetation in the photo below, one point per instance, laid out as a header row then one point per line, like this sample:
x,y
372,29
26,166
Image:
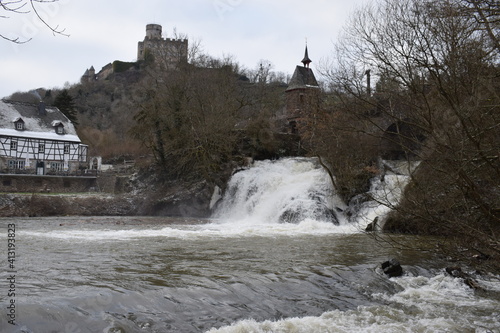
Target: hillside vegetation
x,y
436,65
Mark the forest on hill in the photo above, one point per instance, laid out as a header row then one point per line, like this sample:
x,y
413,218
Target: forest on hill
x,y
435,68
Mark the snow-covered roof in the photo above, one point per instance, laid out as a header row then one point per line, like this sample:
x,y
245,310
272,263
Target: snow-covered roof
x,y
39,135
36,124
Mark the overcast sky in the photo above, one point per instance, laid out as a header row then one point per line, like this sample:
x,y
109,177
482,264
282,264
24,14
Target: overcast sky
x,y
101,31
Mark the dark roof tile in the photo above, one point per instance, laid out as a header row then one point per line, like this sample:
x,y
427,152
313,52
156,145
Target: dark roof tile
x,y
303,77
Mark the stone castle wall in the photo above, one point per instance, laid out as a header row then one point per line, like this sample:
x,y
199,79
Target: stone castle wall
x,y
167,52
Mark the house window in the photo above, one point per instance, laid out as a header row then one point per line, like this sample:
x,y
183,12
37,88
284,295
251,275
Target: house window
x,y
16,164
13,145
41,147
55,166
60,129
19,125
66,149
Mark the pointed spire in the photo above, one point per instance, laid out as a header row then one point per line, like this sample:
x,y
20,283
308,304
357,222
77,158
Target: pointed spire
x,y
306,61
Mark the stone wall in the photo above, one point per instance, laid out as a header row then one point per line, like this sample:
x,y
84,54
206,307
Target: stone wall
x,y
109,182
46,184
302,105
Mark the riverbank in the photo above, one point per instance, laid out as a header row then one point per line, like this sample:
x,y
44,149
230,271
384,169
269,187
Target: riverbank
x,y
83,204
175,199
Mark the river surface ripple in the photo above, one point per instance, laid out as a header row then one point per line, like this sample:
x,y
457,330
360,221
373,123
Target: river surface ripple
x,y
130,274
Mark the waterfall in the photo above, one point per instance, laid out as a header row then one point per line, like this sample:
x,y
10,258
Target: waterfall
x,y
286,190
292,190
386,191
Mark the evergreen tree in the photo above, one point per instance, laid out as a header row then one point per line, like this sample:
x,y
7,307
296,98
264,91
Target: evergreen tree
x,y
64,102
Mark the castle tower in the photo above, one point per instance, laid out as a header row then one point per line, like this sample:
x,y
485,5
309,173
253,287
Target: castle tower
x,y
302,98
89,75
166,53
92,72
153,31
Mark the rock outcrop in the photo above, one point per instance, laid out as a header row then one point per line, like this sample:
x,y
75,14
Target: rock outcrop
x,y
392,268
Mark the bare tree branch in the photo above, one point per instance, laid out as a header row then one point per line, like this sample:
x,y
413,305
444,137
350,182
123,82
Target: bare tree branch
x,y
24,7
55,30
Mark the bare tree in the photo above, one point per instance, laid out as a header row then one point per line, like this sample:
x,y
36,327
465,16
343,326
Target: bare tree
x,y
187,117
437,99
487,14
25,7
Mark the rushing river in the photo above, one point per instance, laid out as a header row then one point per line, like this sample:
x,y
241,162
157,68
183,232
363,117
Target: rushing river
x,y
234,274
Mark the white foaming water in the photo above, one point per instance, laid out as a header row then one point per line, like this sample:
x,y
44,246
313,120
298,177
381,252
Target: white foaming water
x,y
286,190
385,193
287,197
199,231
298,189
438,304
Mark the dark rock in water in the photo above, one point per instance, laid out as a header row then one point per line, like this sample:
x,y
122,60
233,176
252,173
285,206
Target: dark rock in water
x,y
329,214
372,226
392,268
481,256
472,283
290,216
298,215
457,272
355,204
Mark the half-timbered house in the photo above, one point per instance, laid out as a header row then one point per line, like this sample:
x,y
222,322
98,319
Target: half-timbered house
x,y
38,139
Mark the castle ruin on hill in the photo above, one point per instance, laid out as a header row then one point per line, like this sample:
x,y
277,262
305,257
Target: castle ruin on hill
x,y
164,52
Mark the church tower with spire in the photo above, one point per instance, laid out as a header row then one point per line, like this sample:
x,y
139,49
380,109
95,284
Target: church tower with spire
x,y
302,98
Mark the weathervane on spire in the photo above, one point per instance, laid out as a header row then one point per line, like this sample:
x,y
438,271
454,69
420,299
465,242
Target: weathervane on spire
x,y
306,61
